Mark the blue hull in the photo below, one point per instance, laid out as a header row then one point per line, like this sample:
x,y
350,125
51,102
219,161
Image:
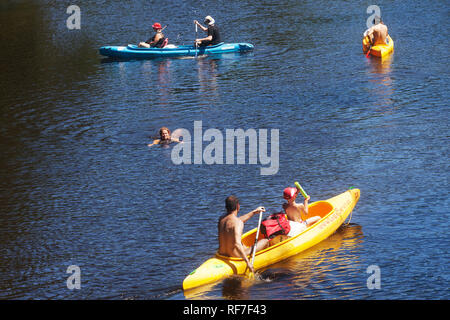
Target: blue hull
x,y
134,52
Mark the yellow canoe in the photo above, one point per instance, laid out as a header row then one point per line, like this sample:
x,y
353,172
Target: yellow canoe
x,y
333,213
380,50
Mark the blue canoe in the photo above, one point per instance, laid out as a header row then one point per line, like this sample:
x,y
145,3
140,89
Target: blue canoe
x,y
135,52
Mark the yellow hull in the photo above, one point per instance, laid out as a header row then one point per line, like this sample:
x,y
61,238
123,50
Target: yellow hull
x,y
380,50
333,211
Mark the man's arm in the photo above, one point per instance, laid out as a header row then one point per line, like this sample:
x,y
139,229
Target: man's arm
x,y
203,39
199,24
247,216
369,33
239,247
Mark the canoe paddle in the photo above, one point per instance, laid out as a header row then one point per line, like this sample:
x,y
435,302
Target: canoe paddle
x,y
370,47
299,187
196,34
252,275
368,52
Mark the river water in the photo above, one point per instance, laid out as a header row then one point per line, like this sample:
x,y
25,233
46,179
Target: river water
x,y
79,185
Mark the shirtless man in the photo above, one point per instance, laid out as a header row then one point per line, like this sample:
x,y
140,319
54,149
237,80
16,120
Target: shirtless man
x,y
377,33
230,232
296,211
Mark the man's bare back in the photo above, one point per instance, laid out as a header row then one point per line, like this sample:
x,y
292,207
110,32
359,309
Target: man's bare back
x,y
230,227
378,34
294,211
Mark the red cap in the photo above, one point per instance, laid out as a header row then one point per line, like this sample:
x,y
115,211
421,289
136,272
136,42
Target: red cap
x,y
289,193
156,25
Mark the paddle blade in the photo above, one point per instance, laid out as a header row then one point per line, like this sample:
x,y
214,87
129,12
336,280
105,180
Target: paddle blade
x,y
252,276
299,187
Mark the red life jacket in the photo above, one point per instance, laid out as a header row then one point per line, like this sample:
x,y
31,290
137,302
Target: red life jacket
x,y
274,225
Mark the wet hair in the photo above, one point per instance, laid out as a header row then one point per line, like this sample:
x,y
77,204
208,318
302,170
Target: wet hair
x,y
162,129
231,203
377,20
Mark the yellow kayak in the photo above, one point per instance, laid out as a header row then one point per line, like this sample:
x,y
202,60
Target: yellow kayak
x,y
333,213
380,50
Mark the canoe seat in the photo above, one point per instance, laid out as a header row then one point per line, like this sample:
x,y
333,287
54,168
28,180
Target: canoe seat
x,y
319,208
277,239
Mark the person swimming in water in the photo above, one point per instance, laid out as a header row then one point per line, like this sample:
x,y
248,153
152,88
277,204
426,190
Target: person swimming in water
x,y
164,137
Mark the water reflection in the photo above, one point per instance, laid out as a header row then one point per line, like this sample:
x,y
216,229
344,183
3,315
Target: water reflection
x,y
207,78
381,69
381,65
164,80
325,263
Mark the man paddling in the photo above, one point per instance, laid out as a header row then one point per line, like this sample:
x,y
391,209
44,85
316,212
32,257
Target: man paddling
x,y
230,228
213,32
377,33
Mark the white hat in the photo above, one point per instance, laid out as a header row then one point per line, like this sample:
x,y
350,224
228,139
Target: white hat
x,y
210,19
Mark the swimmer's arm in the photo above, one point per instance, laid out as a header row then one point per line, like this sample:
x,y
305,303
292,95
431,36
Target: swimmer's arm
x,y
154,142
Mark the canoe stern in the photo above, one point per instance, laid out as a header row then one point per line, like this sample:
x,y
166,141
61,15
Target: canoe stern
x,y
210,271
381,50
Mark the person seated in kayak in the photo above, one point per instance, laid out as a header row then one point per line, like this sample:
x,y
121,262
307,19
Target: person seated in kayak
x,y
294,212
164,137
212,30
157,41
230,229
377,33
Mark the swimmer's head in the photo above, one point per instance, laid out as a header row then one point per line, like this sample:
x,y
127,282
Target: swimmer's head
x,y
289,193
164,133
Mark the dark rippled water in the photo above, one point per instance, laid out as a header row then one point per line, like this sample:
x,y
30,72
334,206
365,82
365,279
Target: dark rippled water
x,y
79,186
